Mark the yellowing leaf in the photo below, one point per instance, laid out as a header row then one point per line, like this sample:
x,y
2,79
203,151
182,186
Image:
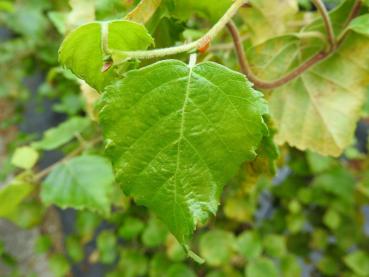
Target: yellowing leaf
x,y
319,110
268,18
143,11
25,157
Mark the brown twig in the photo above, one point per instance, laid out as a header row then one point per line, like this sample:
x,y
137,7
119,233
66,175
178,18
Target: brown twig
x,y
327,22
354,12
334,44
262,84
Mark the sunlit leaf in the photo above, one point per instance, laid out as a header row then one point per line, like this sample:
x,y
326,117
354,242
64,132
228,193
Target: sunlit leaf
x,y
82,50
169,128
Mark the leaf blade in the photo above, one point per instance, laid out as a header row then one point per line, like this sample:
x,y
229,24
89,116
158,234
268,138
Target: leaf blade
x,y
168,127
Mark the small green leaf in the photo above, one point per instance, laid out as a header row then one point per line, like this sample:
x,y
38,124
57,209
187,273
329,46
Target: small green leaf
x,y
66,131
249,245
131,228
132,263
155,233
84,182
159,265
82,50
169,128
59,265
275,245
107,246
43,244
261,267
358,261
180,270
74,249
290,266
25,157
217,246
332,219
11,196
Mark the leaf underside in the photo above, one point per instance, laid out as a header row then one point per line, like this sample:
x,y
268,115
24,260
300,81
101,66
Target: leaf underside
x,y
177,134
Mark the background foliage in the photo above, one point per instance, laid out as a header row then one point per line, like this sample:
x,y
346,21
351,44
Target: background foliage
x,y
306,213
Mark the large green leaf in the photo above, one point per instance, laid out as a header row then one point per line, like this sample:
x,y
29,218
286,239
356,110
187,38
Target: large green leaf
x,y
176,134
82,50
85,182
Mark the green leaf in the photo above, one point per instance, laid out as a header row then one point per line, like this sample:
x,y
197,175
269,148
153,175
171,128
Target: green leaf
x,y
360,25
63,133
74,249
131,228
107,246
358,261
290,266
43,244
82,50
159,265
249,244
261,267
180,270
275,245
84,182
332,219
208,9
155,233
58,265
25,157
169,128
12,195
216,246
132,263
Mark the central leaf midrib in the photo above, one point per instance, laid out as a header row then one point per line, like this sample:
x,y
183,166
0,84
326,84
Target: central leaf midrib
x,y
180,139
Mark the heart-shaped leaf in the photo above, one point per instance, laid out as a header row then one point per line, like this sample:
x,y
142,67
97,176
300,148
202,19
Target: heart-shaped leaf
x,y
176,134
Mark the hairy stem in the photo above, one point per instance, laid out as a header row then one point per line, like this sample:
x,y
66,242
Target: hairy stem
x,y
327,22
156,53
262,84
